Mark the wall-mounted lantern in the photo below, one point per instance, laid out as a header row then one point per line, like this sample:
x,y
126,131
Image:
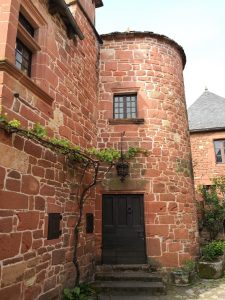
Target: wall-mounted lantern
x,y
122,165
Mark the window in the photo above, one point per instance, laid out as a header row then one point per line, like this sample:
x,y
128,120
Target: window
x,y
219,146
125,106
23,53
54,231
23,58
25,23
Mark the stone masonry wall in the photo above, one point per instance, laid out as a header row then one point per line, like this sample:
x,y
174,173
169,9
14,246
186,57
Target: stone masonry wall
x,y
62,96
203,155
152,67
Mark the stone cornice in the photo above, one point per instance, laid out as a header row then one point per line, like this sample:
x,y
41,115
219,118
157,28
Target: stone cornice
x,y
10,69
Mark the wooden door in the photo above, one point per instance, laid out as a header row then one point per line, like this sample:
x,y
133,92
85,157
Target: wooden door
x,y
123,235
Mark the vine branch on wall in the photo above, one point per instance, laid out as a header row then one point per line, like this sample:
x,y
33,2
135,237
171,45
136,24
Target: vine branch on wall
x,y
89,161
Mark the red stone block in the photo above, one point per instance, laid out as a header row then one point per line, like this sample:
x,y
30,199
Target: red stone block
x,y
38,171
157,207
11,293
37,244
58,256
12,200
123,55
49,155
159,188
30,185
2,177
111,66
166,219
6,213
161,230
13,185
33,149
181,234
10,245
172,207
39,203
32,292
14,174
26,241
169,259
154,246
167,197
47,190
175,247
6,225
28,220
183,257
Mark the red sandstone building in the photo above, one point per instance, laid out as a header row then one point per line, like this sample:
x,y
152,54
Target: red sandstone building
x,y
56,70
207,122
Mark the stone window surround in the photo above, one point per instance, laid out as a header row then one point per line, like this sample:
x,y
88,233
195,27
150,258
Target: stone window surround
x,y
125,90
33,16
31,13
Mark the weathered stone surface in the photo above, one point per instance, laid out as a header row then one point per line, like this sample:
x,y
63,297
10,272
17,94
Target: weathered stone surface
x,y
28,220
58,257
51,295
14,159
211,270
10,245
13,274
12,200
30,185
11,293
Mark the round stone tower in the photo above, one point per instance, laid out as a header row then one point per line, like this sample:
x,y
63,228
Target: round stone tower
x,y
142,93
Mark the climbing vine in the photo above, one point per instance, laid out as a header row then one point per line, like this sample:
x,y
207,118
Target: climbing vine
x,y
89,162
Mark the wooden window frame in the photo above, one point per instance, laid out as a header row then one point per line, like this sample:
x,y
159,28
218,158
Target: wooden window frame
x,y
125,96
23,68
222,148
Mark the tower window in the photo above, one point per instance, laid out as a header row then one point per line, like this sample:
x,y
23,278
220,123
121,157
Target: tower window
x,y
125,106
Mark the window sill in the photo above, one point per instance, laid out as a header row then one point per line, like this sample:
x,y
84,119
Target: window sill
x,y
126,121
9,68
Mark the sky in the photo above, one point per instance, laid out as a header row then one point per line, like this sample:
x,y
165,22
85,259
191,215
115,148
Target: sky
x,y
197,25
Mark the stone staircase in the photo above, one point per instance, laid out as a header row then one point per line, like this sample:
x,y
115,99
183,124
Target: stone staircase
x,y
128,280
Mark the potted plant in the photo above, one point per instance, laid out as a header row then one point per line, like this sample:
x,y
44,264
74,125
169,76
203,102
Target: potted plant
x,y
211,264
184,275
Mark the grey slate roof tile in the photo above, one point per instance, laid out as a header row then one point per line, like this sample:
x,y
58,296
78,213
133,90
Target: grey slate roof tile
x,y
207,113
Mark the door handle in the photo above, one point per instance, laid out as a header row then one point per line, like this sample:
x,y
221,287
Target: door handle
x,y
129,210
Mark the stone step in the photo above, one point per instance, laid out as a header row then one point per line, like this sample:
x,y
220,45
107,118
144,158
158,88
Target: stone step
x,y
128,275
129,287
121,268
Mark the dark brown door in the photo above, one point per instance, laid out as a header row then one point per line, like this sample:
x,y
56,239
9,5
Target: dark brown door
x,y
123,236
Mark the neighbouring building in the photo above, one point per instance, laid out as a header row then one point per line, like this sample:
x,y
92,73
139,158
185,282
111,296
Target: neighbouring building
x,y
56,70
207,134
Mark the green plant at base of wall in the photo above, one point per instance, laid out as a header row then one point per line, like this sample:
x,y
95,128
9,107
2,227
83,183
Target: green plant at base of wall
x,y
81,292
213,250
213,210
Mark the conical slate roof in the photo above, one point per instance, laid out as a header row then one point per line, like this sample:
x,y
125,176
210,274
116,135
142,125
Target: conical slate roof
x,y
207,113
